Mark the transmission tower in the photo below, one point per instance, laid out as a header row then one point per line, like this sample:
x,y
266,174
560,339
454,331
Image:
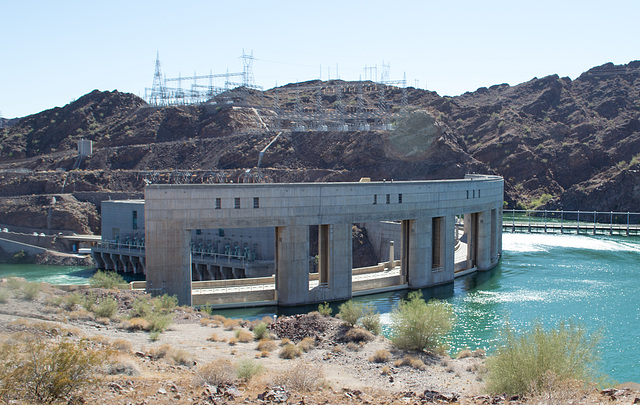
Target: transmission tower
x,y
247,71
384,76
157,90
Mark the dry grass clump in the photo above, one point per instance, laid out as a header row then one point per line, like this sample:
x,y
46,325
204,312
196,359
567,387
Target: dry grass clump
x,y
218,320
171,355
232,341
121,365
300,376
266,345
206,321
359,335
122,345
260,331
230,324
30,291
80,315
354,347
380,356
412,362
463,354
289,351
479,353
213,338
217,372
264,353
307,344
134,324
244,336
285,341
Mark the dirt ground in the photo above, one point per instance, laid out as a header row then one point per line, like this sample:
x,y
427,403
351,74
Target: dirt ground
x,y
140,370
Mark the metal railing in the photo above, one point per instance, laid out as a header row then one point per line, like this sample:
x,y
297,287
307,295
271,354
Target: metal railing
x,y
627,223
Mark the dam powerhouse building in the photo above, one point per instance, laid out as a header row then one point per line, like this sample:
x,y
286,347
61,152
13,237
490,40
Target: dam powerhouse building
x,y
249,244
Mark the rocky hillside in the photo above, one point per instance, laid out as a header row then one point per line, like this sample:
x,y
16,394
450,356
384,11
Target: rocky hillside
x,y
559,143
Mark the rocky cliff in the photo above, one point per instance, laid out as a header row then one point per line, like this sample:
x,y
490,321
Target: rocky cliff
x,y
559,143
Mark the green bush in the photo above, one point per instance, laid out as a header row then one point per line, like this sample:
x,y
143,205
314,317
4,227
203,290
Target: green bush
x,y
371,319
248,368
524,361
106,308
141,308
350,312
206,309
158,322
31,290
34,372
107,279
324,309
261,331
289,351
417,325
166,303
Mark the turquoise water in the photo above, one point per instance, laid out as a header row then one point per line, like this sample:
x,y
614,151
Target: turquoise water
x,y
592,280
55,274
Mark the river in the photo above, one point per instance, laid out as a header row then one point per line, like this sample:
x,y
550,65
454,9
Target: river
x,y
592,280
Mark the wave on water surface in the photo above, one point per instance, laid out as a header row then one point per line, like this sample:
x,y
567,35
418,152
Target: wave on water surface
x,y
523,242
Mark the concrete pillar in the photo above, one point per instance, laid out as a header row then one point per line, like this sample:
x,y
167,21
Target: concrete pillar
x,y
418,250
292,265
170,258
470,232
449,247
484,240
340,283
390,264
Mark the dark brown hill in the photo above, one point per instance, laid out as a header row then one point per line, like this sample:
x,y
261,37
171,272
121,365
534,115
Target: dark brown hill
x,y
572,144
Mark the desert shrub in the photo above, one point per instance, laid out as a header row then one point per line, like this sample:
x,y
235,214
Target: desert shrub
x,y
285,341
463,354
135,324
158,323
261,331
121,365
15,283
206,309
350,312
417,325
165,303
266,345
300,376
248,368
410,361
232,341
324,309
71,300
4,295
289,351
88,301
81,314
31,290
353,346
385,370
217,372
38,373
380,356
107,279
154,336
307,344
479,353
141,308
524,361
371,319
359,335
206,321
122,345
244,336
230,324
180,357
219,320
106,308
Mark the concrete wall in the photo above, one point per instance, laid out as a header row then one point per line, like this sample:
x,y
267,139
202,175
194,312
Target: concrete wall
x,y
173,211
117,219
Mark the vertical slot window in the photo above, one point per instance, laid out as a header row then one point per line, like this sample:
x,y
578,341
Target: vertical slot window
x,y
256,202
236,203
388,198
218,203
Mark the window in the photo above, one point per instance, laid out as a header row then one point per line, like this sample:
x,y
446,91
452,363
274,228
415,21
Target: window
x,y
388,198
399,198
218,203
375,199
134,225
467,194
256,202
478,193
473,195
198,231
236,203
221,233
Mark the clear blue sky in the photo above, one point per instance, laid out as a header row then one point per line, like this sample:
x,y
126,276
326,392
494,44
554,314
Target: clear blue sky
x,y
53,52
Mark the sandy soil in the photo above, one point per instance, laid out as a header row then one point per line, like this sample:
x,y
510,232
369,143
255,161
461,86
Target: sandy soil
x,y
142,371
